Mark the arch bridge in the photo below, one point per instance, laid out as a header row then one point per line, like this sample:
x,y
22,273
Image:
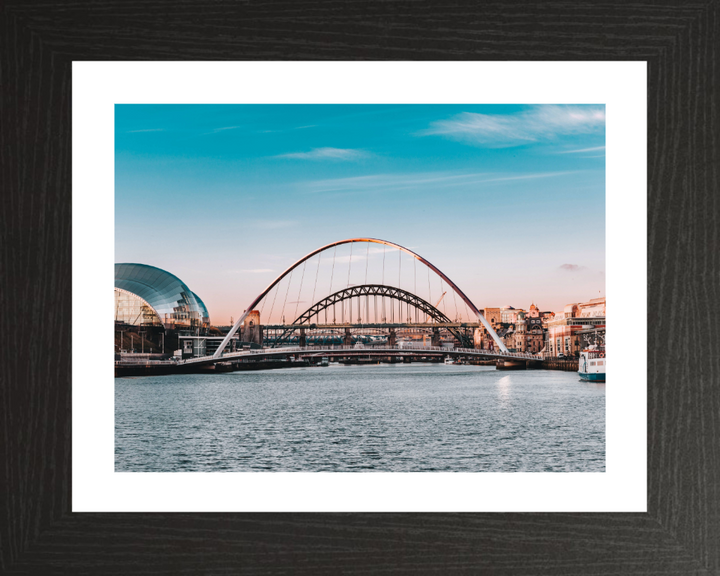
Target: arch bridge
x,y
367,290
302,352
375,290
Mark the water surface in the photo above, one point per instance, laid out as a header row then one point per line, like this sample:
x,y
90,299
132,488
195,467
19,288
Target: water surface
x,y
391,418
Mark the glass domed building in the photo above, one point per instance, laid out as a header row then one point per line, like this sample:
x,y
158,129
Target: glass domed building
x,y
149,296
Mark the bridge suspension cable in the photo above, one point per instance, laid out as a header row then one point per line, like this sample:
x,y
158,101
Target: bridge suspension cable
x,y
332,275
367,261
297,302
286,295
349,266
469,305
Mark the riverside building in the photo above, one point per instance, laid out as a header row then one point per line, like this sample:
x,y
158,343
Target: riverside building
x,y
564,330
153,307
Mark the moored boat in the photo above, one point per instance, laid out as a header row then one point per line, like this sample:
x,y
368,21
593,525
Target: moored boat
x,y
592,364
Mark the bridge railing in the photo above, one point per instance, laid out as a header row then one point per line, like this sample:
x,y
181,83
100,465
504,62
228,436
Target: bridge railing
x,y
291,350
142,362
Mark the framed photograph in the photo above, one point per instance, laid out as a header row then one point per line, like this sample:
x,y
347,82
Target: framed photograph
x,y
312,189
310,153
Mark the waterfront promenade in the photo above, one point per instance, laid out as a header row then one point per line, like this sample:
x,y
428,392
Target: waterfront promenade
x,y
314,354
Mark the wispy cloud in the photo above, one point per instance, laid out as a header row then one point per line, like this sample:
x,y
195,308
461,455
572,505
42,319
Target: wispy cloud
x,y
327,154
146,130
411,181
539,123
382,182
594,149
571,267
346,259
279,131
531,176
225,128
218,130
271,224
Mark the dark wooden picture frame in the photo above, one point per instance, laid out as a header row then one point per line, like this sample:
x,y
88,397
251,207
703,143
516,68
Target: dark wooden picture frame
x,y
680,533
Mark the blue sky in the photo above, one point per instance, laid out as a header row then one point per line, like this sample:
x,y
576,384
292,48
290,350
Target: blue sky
x,y
508,200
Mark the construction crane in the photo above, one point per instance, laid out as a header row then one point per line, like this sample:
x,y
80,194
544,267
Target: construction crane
x,y
427,320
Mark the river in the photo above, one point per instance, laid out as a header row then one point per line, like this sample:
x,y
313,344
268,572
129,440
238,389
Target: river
x,y
387,417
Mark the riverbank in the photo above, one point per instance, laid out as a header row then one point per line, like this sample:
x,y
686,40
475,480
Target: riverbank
x,y
165,369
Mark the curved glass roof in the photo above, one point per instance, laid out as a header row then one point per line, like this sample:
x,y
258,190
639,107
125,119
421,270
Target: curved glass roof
x,y
202,306
165,292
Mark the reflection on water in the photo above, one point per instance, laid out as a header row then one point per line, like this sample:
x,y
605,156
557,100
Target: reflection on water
x,y
393,418
503,387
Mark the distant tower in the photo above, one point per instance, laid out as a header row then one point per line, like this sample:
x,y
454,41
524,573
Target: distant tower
x,y
534,311
251,330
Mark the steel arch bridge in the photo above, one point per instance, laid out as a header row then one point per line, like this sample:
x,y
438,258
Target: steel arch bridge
x,y
435,269
374,290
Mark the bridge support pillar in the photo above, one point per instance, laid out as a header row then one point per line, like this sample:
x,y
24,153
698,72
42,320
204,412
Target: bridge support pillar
x,y
435,341
251,330
392,337
347,339
302,340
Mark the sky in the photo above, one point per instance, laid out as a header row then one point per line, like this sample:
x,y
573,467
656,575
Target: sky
x,y
507,200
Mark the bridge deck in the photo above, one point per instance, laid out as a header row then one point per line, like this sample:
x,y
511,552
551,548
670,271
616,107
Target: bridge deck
x,y
317,326
362,351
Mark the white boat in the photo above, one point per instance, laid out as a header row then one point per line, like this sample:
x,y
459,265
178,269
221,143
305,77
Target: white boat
x,y
592,364
449,360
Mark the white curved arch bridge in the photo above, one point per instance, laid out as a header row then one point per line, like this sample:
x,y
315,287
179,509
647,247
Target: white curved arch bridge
x,y
310,352
383,289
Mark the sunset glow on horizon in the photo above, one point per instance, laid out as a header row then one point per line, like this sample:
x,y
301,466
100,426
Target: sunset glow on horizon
x,y
507,200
